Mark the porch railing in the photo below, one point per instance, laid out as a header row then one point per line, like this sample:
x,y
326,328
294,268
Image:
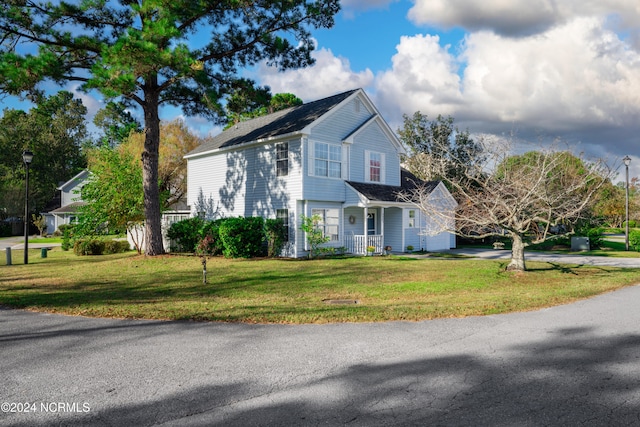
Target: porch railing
x,y
357,244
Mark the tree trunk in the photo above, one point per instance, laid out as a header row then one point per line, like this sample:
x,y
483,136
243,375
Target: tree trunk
x,y
517,254
150,154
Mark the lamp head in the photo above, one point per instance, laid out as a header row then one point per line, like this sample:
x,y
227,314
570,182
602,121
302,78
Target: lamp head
x,y
627,160
27,157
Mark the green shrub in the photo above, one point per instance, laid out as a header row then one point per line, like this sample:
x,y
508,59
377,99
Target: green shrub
x,y
67,236
634,240
596,238
242,237
186,234
88,247
116,246
276,235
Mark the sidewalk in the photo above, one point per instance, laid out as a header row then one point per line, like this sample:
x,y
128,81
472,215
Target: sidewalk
x,y
17,243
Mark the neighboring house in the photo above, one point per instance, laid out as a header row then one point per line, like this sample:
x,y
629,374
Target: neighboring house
x,y
70,201
336,158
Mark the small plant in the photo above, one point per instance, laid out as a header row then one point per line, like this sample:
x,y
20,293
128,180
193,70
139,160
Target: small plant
x,y
40,222
314,234
409,248
371,250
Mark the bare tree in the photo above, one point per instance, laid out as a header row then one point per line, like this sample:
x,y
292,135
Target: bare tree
x,y
521,197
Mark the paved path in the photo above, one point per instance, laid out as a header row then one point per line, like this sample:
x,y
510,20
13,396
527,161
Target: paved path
x,y
549,257
570,365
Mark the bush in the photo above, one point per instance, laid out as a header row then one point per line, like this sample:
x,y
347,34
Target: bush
x,y
242,237
596,239
276,234
67,236
634,240
116,246
186,234
88,247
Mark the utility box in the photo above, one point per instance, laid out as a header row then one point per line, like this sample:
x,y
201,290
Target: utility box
x,y
580,244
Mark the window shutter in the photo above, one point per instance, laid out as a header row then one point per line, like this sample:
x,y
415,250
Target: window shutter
x,y
311,167
345,162
382,169
367,165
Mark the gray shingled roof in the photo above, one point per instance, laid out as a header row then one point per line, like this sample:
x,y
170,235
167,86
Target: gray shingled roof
x,y
390,193
279,123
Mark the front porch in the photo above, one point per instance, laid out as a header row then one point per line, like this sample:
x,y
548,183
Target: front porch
x,y
358,244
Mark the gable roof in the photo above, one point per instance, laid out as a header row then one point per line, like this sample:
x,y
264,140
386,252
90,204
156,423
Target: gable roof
x,y
391,193
81,176
283,122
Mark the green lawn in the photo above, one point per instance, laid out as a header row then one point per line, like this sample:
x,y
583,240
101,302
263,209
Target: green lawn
x,y
293,291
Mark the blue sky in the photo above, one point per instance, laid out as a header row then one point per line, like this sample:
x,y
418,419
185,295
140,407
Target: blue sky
x,y
542,70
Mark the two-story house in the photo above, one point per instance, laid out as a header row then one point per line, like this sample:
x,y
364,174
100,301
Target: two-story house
x,y
70,201
336,158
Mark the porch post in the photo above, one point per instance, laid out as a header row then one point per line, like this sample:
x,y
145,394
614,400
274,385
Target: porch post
x,y
365,222
382,224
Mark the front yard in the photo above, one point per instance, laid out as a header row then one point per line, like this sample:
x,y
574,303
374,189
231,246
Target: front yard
x,y
293,291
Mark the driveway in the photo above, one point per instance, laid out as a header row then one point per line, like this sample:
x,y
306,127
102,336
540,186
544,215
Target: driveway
x,y
576,364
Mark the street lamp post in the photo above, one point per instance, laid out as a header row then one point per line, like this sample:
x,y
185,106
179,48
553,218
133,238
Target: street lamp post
x,y
27,157
627,161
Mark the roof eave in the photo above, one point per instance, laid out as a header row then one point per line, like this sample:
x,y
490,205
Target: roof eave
x,y
244,145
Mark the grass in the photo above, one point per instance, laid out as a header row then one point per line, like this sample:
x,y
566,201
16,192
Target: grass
x,y
294,291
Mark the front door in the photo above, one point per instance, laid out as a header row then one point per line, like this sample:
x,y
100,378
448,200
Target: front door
x,y
371,223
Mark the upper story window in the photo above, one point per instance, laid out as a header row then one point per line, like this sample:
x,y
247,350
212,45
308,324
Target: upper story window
x,y
282,159
374,167
327,160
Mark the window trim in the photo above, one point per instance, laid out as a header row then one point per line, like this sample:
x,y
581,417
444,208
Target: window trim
x,y
339,150
281,148
368,166
323,224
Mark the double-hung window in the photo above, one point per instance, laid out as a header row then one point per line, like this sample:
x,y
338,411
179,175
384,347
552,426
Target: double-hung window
x,y
282,159
374,167
329,223
327,160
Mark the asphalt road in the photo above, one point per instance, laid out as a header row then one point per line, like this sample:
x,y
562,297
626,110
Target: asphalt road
x,y
570,365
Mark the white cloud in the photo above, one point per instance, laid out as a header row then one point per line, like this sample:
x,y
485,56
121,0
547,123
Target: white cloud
x,y
519,17
578,80
329,75
424,77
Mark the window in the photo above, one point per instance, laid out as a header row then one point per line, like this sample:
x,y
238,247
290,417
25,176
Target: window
x,y
283,214
282,159
412,219
374,167
375,163
327,160
329,222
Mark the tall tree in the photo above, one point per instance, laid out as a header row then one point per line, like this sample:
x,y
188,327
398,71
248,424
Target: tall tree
x,y
176,141
522,196
114,195
432,142
116,123
152,53
248,105
54,130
